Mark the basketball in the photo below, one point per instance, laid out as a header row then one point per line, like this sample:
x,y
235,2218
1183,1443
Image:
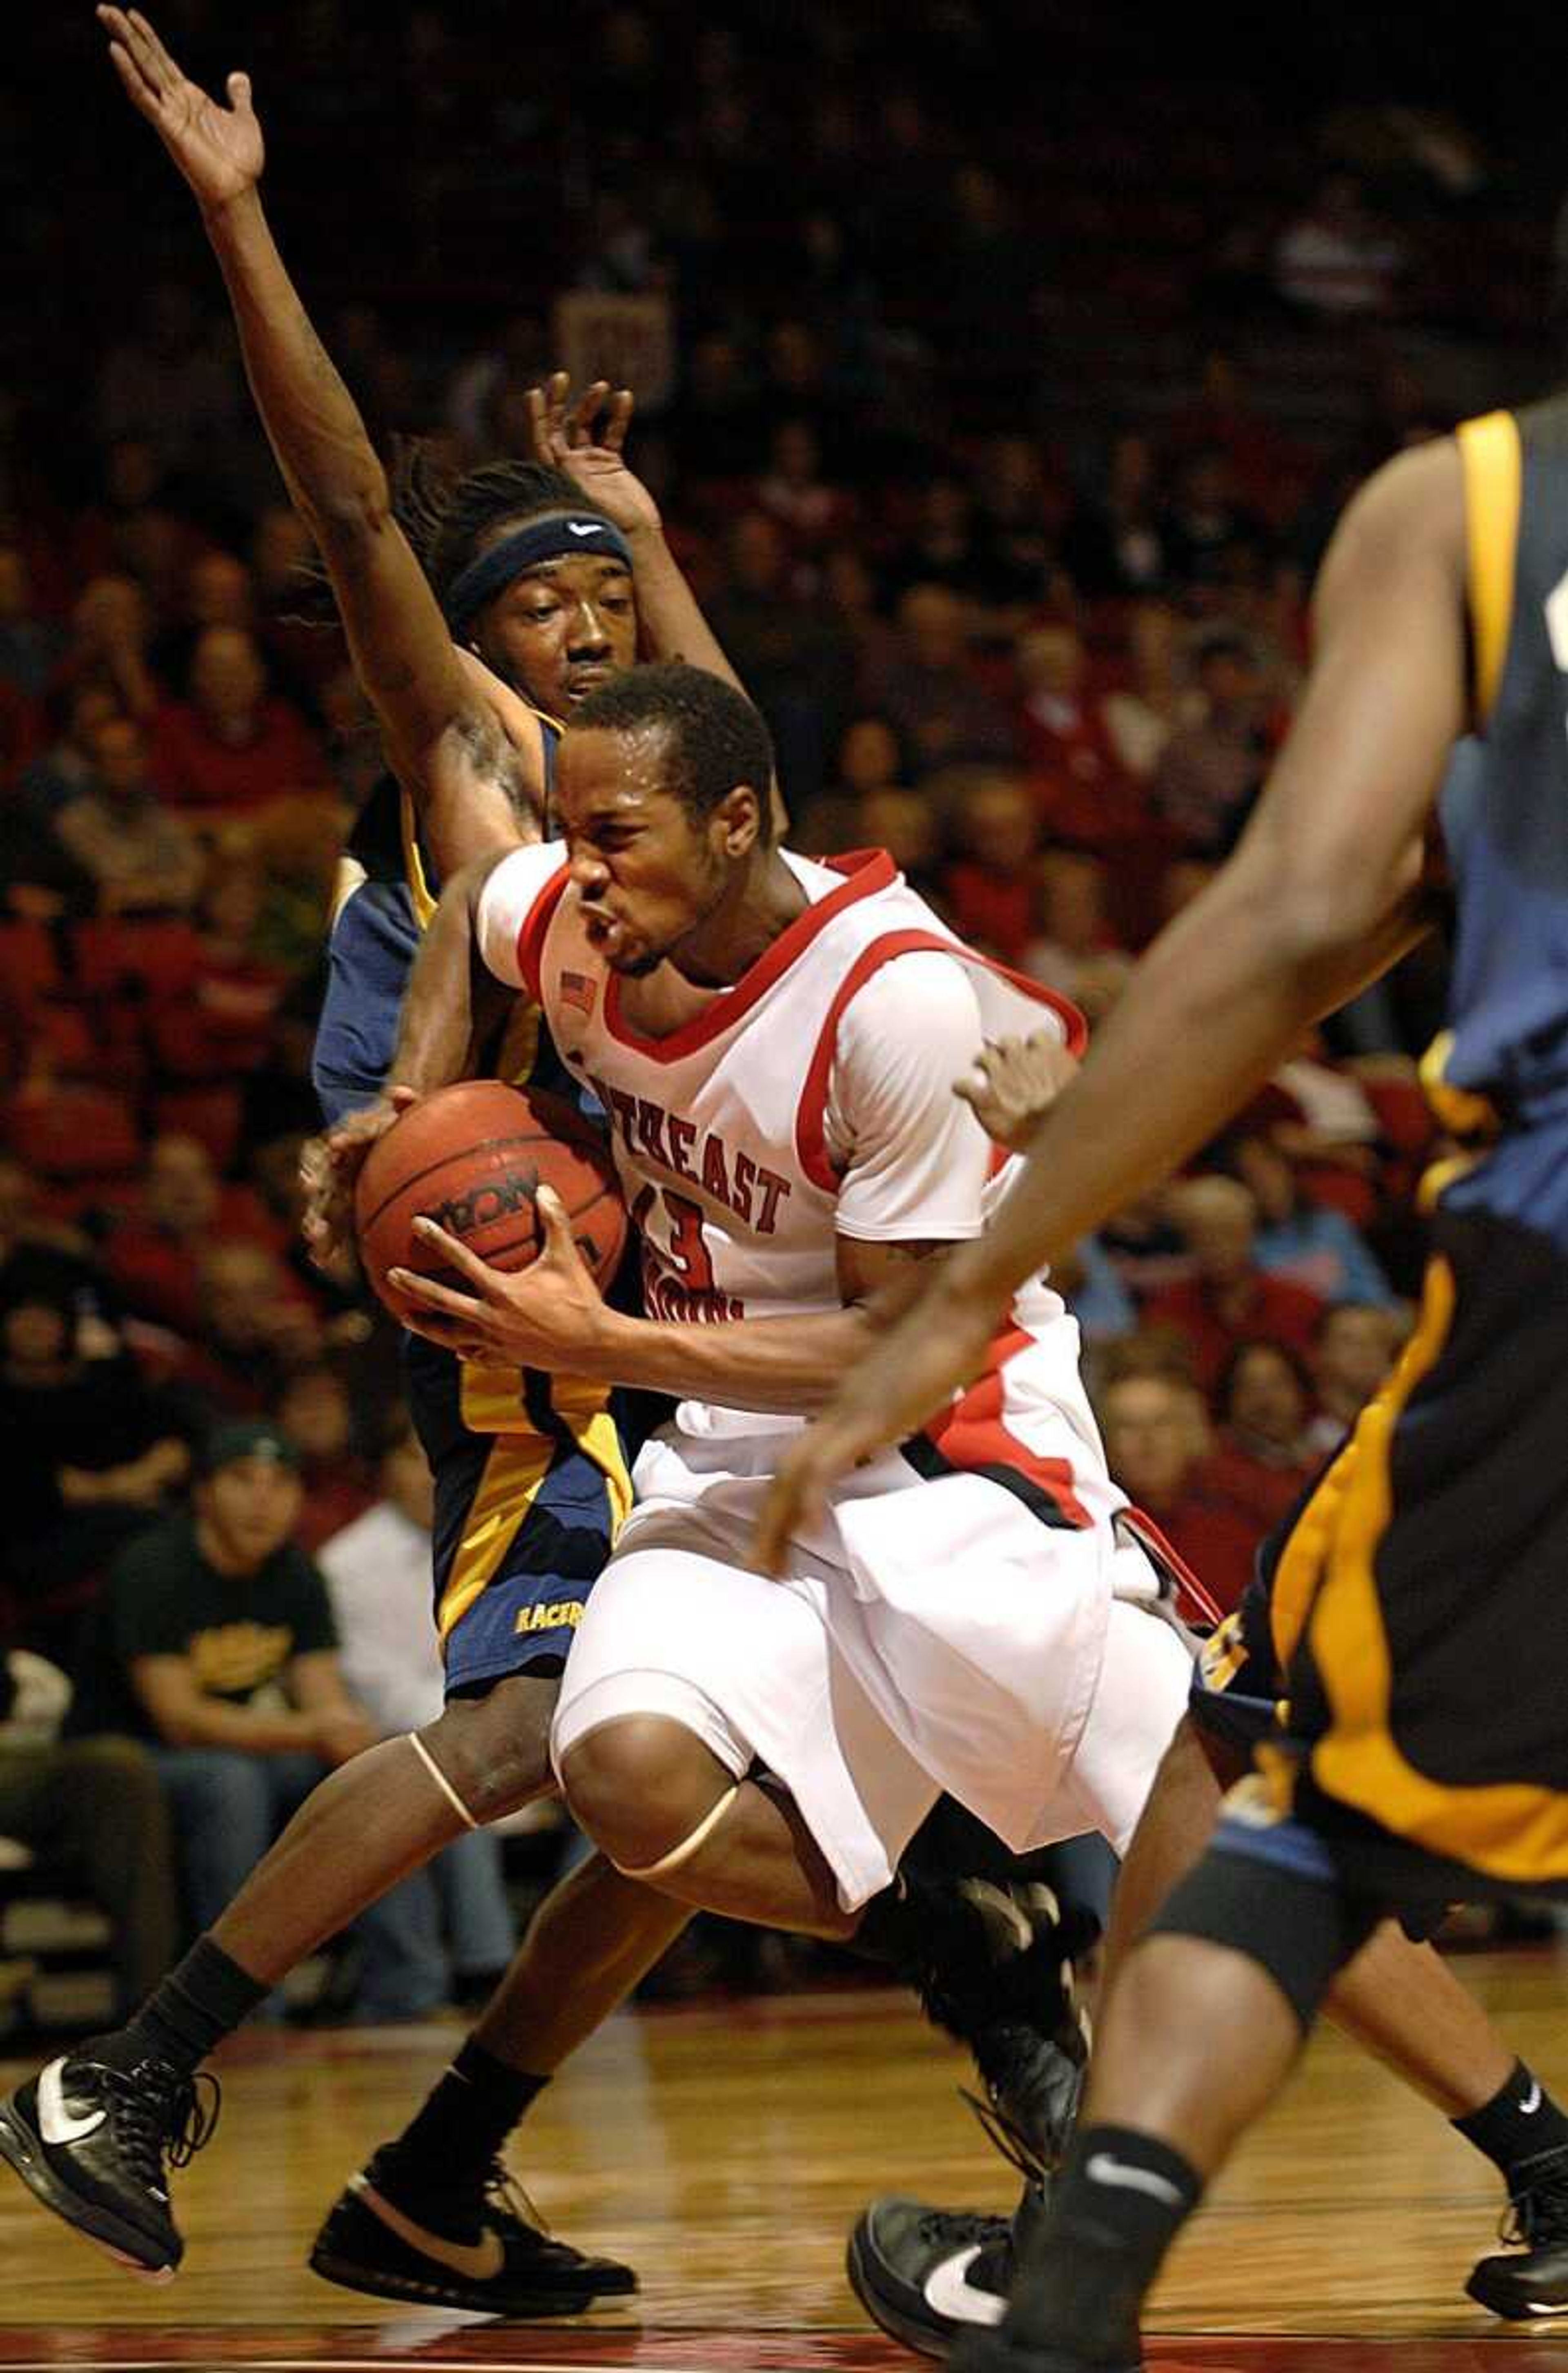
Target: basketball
x,y
472,1158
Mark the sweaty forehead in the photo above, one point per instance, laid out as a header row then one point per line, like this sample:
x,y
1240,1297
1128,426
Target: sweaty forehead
x,y
601,772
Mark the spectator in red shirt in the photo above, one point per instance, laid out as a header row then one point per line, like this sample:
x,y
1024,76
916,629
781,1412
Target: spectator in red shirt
x,y
313,1410
156,1258
990,888
1354,1350
1264,1454
1228,1299
1085,794
229,747
1155,1434
256,1328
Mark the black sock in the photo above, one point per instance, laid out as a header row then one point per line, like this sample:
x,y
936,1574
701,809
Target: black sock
x,y
439,2161
1116,2207
1520,2123
186,2015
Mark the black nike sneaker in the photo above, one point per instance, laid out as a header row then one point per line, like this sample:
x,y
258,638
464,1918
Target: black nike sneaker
x,y
504,2261
93,2141
927,2275
1531,2280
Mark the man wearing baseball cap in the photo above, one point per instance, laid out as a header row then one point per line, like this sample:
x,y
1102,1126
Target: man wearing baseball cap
x,y
214,1642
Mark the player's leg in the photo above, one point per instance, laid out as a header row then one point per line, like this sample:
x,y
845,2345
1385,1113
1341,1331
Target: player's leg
x,y
1395,1997
1247,1947
688,1674
419,2220
92,2135
522,1524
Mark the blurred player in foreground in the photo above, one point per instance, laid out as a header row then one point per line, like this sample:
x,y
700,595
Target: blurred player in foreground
x,y
1425,1753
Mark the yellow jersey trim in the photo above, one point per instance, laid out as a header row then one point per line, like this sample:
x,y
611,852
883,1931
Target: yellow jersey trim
x,y
1516,1831
514,1471
1492,460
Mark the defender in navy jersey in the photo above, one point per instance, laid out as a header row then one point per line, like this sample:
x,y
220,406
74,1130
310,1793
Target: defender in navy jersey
x,y
533,579
1422,1749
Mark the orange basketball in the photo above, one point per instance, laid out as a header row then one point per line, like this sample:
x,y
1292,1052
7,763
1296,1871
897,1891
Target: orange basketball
x,y
473,1157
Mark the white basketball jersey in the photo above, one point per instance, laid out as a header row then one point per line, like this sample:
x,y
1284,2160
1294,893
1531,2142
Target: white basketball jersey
x,y
724,1131
729,1133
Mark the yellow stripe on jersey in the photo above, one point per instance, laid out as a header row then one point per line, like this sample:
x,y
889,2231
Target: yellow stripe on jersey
x,y
1459,1110
583,1406
507,1489
1494,467
1516,1831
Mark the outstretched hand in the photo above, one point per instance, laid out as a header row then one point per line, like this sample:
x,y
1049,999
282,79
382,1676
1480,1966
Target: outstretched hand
x,y
586,438
218,149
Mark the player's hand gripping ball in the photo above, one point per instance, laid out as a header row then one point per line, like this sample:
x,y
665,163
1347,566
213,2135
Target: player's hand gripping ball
x,y
472,1159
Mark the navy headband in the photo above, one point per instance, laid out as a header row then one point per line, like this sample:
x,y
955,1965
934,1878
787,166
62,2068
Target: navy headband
x,y
549,537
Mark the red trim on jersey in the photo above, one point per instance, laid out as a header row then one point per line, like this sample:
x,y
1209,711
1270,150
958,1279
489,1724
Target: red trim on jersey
x,y
1199,1608
972,1432
531,933
867,872
811,1142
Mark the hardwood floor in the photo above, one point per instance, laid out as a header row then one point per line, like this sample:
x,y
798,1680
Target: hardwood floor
x,y
726,2151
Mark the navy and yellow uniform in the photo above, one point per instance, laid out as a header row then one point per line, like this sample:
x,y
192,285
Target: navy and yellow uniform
x,y
531,1479
1415,1607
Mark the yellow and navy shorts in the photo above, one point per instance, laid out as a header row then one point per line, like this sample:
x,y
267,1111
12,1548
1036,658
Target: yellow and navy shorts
x,y
1418,1606
532,1486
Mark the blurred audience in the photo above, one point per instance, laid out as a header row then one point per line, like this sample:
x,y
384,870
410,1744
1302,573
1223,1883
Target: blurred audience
x,y
1157,1444
378,1572
1229,1299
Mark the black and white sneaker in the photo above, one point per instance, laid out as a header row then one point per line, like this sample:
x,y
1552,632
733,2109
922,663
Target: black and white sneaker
x,y
496,2256
92,2142
927,2275
924,2275
1530,2281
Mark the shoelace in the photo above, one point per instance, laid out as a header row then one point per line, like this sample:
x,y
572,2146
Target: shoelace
x,y
166,2116
504,2189
1539,2214
961,2228
1006,2135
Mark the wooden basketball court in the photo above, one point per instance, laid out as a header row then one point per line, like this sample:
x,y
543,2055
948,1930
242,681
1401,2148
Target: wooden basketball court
x,y
726,2151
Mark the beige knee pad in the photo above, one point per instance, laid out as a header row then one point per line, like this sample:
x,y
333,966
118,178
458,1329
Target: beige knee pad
x,y
688,1846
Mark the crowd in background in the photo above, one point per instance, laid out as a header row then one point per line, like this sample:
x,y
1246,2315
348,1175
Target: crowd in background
x,y
1001,471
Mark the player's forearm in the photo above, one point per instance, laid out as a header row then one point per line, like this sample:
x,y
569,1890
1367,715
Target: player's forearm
x,y
452,1001
777,1366
313,423
1213,1010
672,625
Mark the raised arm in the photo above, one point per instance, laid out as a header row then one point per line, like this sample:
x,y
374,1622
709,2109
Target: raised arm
x,y
469,763
586,440
1323,893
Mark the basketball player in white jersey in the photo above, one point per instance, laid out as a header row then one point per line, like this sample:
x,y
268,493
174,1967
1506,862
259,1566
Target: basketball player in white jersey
x,y
774,1041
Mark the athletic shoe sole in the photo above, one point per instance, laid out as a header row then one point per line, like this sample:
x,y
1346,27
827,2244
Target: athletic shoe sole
x,y
1508,2296
95,2223
860,2265
476,2299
